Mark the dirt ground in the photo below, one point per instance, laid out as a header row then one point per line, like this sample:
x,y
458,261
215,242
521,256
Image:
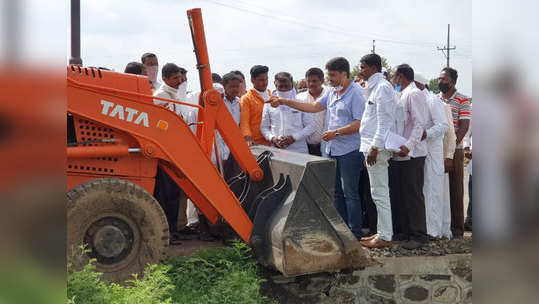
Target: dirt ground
x,y
187,247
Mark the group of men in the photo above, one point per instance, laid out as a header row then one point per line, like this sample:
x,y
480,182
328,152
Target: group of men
x,y
407,139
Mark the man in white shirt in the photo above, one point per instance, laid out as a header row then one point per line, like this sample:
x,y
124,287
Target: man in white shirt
x,y
433,187
285,127
174,77
377,120
406,171
151,65
315,80
232,87
167,192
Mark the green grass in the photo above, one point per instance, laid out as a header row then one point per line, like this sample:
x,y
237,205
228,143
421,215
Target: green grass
x,y
218,275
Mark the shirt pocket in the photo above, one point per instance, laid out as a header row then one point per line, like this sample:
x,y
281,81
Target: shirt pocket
x,y
370,109
341,111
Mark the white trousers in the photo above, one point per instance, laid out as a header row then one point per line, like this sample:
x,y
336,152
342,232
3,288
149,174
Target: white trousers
x,y
433,190
192,213
379,180
446,210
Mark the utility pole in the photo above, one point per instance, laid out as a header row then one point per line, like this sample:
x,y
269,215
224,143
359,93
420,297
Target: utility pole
x,y
447,48
373,47
75,33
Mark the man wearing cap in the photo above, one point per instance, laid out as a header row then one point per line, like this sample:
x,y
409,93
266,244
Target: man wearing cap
x,y
436,125
252,104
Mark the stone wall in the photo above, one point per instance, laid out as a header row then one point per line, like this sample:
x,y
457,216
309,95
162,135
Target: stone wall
x,y
445,279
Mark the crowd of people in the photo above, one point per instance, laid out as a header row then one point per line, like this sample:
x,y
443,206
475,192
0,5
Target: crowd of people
x,y
399,148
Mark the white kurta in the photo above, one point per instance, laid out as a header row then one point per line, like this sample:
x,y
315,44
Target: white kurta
x,y
433,190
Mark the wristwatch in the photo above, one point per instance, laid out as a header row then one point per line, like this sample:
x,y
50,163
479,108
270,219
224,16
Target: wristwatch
x,y
337,133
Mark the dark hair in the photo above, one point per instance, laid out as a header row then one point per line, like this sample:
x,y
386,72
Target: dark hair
x,y
339,64
228,77
216,78
315,72
372,60
134,68
170,69
406,71
284,76
453,74
239,74
146,56
257,70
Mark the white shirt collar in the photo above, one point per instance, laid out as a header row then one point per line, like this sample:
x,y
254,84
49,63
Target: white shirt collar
x,y
233,101
373,80
321,93
167,88
409,87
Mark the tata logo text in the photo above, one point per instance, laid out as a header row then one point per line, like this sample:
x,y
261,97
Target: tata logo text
x,y
128,114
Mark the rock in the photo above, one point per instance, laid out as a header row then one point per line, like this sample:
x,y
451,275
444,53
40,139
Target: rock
x,y
446,294
416,293
383,282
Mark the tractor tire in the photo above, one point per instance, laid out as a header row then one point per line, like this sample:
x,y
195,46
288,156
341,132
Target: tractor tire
x,y
122,225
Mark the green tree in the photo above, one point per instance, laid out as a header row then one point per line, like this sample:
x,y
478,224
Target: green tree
x,y
433,85
385,65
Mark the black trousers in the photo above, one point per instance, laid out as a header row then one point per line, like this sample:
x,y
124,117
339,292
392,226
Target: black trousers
x,y
168,195
456,193
231,168
406,180
314,149
370,215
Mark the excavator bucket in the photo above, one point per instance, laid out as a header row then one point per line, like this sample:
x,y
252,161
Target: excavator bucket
x,y
296,228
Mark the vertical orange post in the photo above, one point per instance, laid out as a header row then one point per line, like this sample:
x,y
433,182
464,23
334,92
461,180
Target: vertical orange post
x,y
213,116
206,83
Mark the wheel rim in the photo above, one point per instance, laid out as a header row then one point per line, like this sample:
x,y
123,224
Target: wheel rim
x,y
113,239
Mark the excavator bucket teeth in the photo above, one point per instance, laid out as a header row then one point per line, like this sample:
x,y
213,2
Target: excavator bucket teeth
x,y
247,190
297,229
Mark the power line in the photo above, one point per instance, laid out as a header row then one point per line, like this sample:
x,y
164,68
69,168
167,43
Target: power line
x,y
447,48
329,29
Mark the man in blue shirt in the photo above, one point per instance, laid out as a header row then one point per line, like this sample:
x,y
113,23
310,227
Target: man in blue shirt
x,y
345,104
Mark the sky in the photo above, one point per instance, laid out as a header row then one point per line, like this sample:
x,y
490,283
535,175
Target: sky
x,y
284,35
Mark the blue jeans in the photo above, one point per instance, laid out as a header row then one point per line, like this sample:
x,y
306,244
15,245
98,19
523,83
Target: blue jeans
x,y
347,201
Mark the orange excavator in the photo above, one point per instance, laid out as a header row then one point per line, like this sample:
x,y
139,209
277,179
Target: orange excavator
x,y
281,203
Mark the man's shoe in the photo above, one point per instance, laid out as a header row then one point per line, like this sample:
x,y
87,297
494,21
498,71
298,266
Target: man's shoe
x,y
468,226
457,237
376,243
412,244
368,238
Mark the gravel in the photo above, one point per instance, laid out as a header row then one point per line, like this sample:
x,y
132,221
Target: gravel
x,y
433,248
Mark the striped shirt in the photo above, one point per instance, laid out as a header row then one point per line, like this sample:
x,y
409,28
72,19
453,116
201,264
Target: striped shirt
x,y
461,108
